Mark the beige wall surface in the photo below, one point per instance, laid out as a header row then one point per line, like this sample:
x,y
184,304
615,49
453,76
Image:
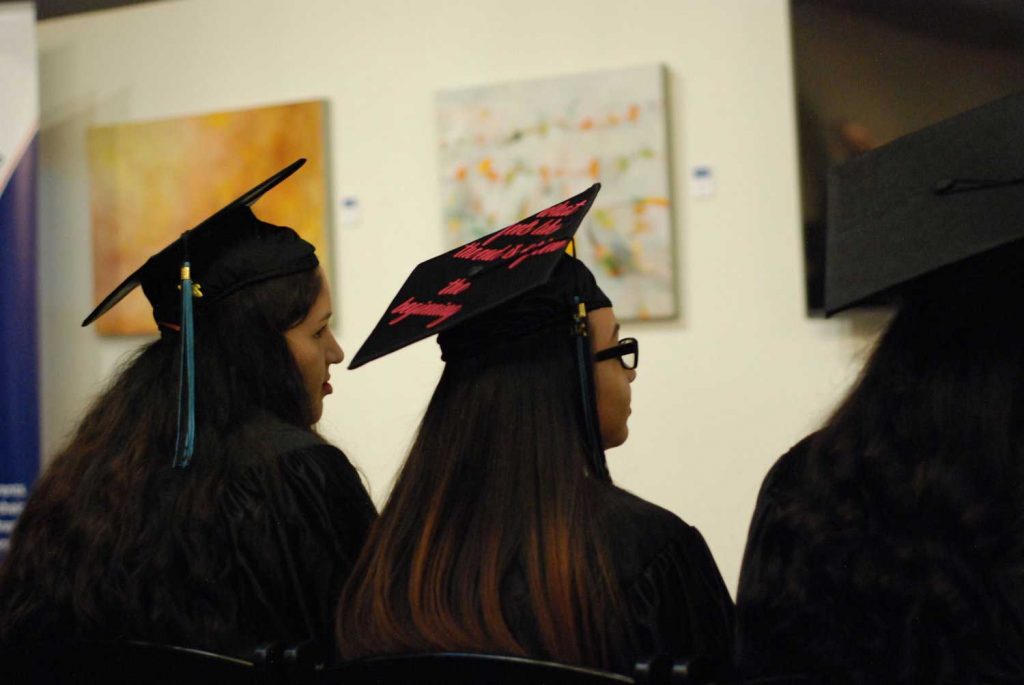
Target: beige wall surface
x,y
722,391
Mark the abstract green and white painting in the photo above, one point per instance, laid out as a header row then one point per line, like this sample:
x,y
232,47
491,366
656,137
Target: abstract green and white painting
x,y
508,150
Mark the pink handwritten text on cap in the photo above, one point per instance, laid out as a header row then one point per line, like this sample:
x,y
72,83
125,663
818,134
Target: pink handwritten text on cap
x,y
517,253
535,227
566,208
456,287
440,311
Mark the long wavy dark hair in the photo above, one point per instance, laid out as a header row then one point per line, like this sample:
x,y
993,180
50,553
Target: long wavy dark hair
x,y
900,552
113,542
495,486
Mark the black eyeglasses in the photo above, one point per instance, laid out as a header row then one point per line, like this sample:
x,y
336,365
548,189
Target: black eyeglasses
x,y
627,351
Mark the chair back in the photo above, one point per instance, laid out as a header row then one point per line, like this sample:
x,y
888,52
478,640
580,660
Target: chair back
x,y
664,670
464,669
114,663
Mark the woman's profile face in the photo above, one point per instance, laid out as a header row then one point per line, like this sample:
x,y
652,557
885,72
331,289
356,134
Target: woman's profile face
x,y
314,348
611,380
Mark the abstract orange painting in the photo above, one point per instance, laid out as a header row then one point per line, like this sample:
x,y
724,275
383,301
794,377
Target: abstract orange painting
x,y
151,181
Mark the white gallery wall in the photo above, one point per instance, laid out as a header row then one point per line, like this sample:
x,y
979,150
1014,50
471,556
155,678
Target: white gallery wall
x,y
721,392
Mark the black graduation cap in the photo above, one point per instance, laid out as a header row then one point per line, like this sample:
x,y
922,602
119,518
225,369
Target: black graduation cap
x,y
934,198
227,251
476,278
222,254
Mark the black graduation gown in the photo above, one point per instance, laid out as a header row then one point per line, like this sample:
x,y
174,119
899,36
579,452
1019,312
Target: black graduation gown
x,y
675,599
860,624
291,565
285,530
760,649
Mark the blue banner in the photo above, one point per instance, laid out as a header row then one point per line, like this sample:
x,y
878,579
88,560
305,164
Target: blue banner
x,y
19,367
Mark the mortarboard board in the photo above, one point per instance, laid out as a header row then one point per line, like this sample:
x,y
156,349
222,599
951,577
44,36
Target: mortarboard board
x,y
227,251
469,281
931,199
512,281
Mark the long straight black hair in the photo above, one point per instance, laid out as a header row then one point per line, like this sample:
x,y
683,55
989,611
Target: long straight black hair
x,y
113,542
497,478
899,555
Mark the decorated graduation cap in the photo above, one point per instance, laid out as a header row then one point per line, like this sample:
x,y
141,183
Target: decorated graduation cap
x,y
476,278
512,282
228,251
931,199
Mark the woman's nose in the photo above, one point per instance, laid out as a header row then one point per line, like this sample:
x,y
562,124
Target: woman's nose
x,y
336,354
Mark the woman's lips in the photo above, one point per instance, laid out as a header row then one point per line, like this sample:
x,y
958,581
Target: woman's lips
x,y
327,389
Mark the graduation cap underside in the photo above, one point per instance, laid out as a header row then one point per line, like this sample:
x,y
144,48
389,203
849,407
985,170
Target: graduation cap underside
x,y
934,198
476,277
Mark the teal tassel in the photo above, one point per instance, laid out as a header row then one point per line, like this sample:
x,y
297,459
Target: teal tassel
x,y
185,442
584,367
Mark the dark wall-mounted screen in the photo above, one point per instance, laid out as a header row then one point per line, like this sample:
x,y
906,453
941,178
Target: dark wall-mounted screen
x,y
870,71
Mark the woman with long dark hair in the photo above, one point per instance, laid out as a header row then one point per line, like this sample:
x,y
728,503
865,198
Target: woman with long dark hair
x,y
222,526
504,533
887,546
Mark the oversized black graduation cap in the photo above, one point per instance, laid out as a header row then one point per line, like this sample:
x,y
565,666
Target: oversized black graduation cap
x,y
931,199
477,277
227,251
